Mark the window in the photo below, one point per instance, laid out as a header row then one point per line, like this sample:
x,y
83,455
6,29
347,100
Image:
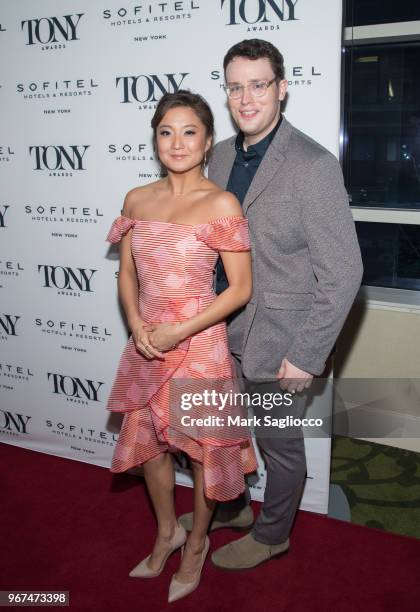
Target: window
x,y
368,12
381,138
382,125
391,254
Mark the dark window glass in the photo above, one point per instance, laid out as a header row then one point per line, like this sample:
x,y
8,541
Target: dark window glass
x,y
382,125
391,254
367,12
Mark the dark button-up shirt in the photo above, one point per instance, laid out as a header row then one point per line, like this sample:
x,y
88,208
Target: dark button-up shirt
x,y
243,171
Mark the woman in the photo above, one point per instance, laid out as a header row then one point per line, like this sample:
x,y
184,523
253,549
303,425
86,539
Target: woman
x,y
171,232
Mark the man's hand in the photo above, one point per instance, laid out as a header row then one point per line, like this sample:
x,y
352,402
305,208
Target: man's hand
x,y
292,378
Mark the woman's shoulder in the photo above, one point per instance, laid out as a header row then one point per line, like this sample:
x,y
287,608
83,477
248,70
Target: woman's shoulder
x,y
136,198
224,204
226,228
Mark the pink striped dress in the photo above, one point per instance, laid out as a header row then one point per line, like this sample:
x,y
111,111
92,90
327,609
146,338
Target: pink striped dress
x,y
175,265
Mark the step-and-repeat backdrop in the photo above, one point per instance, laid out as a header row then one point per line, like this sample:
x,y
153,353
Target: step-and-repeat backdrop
x,y
79,84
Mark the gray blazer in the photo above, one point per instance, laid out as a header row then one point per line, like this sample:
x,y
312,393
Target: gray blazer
x,y
306,258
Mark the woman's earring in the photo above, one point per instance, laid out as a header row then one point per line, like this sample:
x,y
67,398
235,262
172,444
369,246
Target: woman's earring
x,y
205,157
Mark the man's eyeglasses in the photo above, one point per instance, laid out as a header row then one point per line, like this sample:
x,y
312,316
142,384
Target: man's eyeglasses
x,y
256,89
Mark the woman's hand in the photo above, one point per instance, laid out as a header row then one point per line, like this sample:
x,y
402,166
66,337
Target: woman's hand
x,y
143,342
165,336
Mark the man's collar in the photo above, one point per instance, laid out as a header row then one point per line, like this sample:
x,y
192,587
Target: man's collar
x,y
259,147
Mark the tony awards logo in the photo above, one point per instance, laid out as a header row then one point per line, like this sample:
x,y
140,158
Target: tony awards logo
x,y
8,324
3,211
67,280
148,88
48,30
60,160
75,389
13,422
253,12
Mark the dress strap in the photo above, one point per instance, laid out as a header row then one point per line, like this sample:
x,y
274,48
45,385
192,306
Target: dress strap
x,y
119,227
225,234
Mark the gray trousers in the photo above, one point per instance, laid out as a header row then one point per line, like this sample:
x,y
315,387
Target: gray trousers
x,y
285,461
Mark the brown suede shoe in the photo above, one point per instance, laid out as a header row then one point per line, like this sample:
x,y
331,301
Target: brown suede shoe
x,y
246,553
240,521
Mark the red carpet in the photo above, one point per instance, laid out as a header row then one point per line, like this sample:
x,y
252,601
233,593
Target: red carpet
x,y
73,526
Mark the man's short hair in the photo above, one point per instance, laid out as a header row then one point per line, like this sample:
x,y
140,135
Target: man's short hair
x,y
255,48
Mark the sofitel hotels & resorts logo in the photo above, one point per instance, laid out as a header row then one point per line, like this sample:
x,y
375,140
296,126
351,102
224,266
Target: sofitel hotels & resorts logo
x,y
6,153
9,268
15,373
79,433
85,334
57,90
68,214
297,76
156,13
129,152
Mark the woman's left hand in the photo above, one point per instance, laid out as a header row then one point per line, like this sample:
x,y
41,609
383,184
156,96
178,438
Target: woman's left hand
x,y
164,336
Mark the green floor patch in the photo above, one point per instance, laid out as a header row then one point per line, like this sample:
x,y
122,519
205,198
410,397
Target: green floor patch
x,y
381,484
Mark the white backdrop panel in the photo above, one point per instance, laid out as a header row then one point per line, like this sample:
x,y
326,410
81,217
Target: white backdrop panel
x,y
79,85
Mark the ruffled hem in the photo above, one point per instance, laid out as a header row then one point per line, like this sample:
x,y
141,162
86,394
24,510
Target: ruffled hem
x,y
224,467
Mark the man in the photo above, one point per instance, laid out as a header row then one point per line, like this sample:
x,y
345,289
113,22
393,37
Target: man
x,y
306,272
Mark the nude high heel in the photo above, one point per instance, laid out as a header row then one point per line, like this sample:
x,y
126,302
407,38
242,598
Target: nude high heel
x,y
142,570
181,589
